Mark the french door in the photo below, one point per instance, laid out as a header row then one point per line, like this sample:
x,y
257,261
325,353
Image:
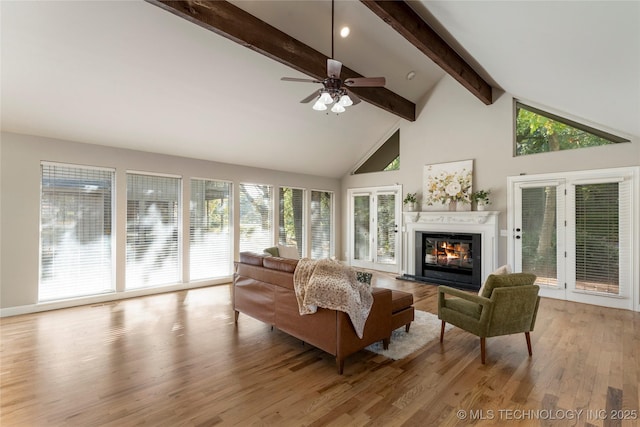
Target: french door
x,y
576,234
373,232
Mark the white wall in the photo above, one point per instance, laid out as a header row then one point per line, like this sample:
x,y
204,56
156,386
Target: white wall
x,y
20,157
454,125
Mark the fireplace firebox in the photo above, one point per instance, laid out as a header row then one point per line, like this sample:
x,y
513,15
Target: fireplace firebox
x,y
449,258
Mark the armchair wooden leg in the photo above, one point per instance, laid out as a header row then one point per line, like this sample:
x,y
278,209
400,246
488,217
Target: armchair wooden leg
x,y
482,349
442,331
236,314
385,343
340,365
526,334
406,328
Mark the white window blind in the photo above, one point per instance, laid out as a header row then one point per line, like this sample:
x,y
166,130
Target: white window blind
x,y
210,230
539,233
76,223
321,224
598,233
256,217
153,207
292,223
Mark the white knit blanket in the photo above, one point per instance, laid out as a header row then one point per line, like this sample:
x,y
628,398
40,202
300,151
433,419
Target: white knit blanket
x,y
329,284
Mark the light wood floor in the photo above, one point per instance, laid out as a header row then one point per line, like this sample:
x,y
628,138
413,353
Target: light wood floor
x,y
178,359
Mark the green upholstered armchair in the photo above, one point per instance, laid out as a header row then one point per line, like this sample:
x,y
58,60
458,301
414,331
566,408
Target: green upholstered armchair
x,y
508,304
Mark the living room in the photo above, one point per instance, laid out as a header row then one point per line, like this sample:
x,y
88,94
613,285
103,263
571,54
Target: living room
x,y
451,125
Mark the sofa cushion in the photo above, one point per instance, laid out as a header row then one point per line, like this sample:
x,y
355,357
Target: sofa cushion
x,y
288,252
364,277
272,251
251,258
281,264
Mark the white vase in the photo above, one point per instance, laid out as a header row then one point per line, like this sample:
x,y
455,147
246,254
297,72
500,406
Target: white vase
x,y
480,206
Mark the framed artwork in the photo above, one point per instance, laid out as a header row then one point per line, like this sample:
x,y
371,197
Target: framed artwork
x,y
448,186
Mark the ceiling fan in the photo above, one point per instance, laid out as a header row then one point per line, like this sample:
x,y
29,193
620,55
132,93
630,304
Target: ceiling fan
x,y
335,90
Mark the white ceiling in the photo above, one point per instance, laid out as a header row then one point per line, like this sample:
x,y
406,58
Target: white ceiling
x,y
128,74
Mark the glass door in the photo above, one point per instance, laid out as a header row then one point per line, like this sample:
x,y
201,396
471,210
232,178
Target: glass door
x,y
374,236
575,232
538,234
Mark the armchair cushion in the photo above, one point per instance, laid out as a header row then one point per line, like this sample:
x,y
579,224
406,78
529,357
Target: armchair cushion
x,y
506,280
505,269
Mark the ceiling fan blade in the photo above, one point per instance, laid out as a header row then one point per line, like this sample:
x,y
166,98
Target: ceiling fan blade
x,y
365,82
333,68
310,98
294,79
354,98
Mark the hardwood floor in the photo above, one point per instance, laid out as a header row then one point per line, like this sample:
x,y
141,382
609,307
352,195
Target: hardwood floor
x,y
178,359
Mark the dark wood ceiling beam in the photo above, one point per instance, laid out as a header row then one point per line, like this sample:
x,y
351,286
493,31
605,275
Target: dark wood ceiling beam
x,y
227,20
412,27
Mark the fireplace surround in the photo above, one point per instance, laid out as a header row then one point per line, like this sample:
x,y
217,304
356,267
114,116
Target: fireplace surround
x,y
481,226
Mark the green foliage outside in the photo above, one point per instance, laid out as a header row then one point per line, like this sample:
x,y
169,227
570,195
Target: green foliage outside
x,y
539,134
394,165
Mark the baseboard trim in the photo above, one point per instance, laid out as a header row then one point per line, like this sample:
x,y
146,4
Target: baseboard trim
x,y
100,299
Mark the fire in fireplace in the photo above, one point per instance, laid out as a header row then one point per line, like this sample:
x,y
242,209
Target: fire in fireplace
x,y
449,258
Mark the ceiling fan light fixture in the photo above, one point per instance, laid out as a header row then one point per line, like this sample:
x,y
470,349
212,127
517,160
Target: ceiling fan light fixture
x,y
319,105
345,101
337,108
326,98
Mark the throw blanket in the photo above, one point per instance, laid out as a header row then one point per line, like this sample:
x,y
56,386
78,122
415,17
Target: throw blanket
x,y
329,284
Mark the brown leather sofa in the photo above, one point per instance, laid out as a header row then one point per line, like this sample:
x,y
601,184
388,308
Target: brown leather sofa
x,y
263,289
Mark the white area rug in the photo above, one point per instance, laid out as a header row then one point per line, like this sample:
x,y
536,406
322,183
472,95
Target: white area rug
x,y
424,329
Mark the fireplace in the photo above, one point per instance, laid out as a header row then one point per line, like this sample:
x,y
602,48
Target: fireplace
x,y
484,249
449,258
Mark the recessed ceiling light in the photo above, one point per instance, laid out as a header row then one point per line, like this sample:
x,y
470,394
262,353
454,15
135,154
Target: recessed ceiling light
x,y
411,75
344,32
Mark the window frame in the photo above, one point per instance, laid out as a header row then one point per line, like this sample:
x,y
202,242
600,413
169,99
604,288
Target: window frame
x,y
614,139
179,229
112,240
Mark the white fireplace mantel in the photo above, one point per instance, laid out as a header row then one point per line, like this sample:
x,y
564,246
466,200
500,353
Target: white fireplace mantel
x,y
484,223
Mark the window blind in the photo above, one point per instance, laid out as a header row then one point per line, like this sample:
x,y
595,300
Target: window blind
x,y
598,237
256,217
386,230
153,207
539,242
76,223
321,224
291,223
210,231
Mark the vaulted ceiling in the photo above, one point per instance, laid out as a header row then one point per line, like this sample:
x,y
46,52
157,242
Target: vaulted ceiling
x,y
130,74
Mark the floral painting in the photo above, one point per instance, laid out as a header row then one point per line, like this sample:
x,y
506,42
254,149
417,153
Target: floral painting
x,y
448,186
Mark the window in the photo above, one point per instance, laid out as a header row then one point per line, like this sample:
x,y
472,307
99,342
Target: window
x,y
385,158
538,131
153,212
322,224
256,217
597,237
210,230
76,223
292,223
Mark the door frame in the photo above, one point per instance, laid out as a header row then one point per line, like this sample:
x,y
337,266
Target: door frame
x,y
630,297
373,264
